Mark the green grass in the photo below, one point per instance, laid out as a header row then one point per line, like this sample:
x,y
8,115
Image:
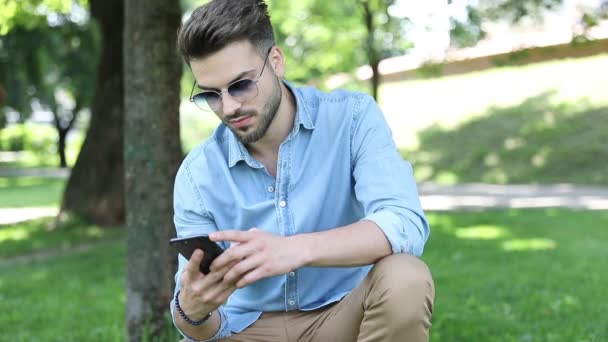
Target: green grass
x,y
508,275
414,105
76,297
541,123
40,236
30,192
532,142
519,275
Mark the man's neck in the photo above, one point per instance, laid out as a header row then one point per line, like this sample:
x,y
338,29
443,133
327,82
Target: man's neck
x,y
279,129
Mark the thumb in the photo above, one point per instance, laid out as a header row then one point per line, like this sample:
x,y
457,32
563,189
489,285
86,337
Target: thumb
x,y
194,263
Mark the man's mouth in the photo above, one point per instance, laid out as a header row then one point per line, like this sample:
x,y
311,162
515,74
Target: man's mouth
x,y
241,121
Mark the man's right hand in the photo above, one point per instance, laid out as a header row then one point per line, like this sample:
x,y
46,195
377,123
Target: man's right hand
x,y
201,293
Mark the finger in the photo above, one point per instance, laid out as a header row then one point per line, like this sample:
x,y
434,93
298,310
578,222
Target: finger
x,y
251,277
223,296
235,253
245,266
217,276
231,235
192,268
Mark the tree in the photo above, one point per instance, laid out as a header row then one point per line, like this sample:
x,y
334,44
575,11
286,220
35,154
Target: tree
x,y
339,36
50,65
95,189
152,155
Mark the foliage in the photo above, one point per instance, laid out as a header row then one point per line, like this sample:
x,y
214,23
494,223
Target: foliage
x,y
37,138
469,31
32,13
308,30
51,65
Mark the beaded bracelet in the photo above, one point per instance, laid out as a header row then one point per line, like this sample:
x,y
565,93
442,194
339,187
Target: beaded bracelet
x,y
186,318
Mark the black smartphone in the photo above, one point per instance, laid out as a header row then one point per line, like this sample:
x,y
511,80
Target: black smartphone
x,y
186,246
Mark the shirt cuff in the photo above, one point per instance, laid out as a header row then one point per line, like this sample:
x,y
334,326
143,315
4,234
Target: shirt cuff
x,y
393,228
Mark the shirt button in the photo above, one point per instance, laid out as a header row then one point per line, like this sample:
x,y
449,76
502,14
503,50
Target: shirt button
x,y
270,189
282,204
292,302
291,274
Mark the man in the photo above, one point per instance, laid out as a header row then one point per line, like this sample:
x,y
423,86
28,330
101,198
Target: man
x,y
320,213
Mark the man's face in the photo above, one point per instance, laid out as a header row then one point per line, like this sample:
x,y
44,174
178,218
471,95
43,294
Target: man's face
x,y
249,120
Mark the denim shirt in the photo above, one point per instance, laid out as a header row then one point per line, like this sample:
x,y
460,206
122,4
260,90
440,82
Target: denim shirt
x,y
338,165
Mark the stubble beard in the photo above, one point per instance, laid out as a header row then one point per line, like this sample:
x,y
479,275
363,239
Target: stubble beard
x,y
265,118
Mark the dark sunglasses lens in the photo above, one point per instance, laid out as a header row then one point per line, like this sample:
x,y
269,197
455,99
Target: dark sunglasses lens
x,y
242,89
207,100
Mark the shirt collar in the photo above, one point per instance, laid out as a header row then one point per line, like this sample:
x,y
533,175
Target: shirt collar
x,y
237,151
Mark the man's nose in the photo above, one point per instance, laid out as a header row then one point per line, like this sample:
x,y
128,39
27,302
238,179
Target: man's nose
x,y
229,104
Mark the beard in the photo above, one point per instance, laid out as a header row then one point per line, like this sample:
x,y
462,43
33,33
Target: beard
x,y
264,118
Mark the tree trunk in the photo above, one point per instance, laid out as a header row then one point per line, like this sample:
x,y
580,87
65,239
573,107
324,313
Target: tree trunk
x,y
61,148
370,48
95,188
152,155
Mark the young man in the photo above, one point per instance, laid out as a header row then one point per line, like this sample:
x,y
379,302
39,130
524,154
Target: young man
x,y
319,211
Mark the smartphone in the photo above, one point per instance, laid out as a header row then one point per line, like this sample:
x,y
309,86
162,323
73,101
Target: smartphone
x,y
186,246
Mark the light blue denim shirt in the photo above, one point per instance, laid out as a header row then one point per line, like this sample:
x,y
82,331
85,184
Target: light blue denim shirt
x,y
338,165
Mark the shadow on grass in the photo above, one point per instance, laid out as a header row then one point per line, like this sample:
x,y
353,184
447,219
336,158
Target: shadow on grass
x,y
536,141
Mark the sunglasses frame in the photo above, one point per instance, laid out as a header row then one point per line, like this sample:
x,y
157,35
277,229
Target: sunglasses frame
x,y
227,91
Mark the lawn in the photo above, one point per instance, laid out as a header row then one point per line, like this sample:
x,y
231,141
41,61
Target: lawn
x,y
505,275
541,123
19,192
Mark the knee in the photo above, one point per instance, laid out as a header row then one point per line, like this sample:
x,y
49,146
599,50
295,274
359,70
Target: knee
x,y
405,278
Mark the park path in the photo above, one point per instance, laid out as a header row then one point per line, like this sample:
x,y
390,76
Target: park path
x,y
434,197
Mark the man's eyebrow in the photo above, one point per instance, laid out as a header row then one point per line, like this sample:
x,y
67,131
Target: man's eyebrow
x,y
237,78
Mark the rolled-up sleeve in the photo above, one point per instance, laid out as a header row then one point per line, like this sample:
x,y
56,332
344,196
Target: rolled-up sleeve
x,y
191,218
384,182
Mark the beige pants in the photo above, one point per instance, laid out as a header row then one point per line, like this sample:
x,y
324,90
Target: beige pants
x,y
393,303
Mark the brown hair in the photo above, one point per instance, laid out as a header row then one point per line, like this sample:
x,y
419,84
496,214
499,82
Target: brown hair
x,y
221,22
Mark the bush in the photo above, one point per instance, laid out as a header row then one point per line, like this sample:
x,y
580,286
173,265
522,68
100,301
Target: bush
x,y
37,138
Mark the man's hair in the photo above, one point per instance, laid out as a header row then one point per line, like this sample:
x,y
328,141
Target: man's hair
x,y
221,22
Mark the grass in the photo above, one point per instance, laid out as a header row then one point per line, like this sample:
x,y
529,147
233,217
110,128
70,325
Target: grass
x,y
542,123
18,192
415,105
531,142
505,275
39,236
519,275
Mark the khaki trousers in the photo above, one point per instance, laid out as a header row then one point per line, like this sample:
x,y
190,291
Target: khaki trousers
x,y
393,303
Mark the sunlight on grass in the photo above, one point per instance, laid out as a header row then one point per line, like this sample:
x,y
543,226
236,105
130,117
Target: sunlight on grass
x,y
528,244
411,106
484,232
13,234
94,232
20,192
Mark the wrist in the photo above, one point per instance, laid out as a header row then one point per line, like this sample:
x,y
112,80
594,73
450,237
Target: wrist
x,y
190,319
304,244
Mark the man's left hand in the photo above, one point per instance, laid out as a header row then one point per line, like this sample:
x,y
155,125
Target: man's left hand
x,y
261,255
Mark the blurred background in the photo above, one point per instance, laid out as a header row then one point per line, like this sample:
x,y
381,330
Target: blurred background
x,y
500,105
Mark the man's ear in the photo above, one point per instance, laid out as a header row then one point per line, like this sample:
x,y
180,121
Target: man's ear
x,y
277,61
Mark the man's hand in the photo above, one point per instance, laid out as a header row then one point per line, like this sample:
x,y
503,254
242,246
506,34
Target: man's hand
x,y
201,294
255,254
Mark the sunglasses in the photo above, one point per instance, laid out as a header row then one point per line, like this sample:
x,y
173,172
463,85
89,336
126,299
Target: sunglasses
x,y
242,91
